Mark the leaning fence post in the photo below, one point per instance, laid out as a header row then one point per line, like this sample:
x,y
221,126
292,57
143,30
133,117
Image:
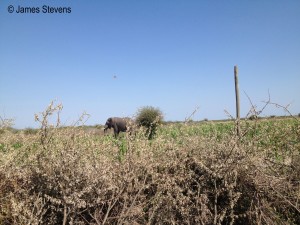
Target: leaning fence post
x,y
237,100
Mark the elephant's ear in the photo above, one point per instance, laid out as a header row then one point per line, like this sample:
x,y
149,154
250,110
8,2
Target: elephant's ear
x,y
109,119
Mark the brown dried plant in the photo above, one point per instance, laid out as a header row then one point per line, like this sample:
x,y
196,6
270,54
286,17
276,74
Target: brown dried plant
x,y
196,174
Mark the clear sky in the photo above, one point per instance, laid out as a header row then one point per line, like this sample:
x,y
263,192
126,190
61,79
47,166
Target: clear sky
x,y
109,58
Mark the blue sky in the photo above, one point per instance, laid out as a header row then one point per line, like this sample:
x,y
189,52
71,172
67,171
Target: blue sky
x,y
176,55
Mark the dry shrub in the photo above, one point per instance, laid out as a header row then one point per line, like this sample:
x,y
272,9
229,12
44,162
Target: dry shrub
x,y
196,174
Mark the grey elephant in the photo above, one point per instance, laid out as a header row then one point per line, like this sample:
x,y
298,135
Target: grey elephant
x,y
118,124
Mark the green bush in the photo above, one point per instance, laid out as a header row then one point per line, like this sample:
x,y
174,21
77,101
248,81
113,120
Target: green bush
x,y
150,118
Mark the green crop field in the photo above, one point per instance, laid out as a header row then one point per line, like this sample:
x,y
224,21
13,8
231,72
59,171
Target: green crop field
x,y
189,173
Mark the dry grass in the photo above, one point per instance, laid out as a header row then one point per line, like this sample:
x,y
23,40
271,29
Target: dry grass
x,y
188,174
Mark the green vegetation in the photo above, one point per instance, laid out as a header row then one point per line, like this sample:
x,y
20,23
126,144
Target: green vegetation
x,y
150,118
189,173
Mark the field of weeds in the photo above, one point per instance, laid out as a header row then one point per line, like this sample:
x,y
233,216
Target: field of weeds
x,y
198,173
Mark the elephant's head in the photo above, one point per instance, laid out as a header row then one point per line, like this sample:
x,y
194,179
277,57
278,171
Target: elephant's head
x,y
108,124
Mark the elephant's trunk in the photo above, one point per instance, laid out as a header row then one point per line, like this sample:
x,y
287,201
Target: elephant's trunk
x,y
105,128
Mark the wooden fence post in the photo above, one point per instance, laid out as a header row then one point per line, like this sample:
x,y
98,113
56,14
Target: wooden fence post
x,y
237,100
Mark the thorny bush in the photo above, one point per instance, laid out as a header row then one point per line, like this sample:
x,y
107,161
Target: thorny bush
x,y
195,174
